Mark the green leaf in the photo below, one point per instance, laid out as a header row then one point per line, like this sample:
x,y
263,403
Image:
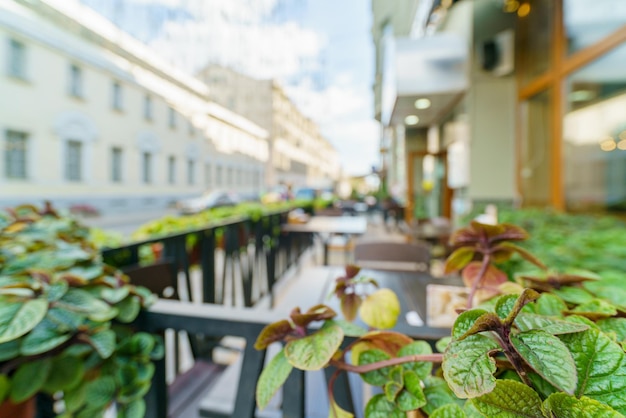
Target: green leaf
x,y
574,295
527,322
272,378
272,333
509,399
448,411
550,305
380,309
379,407
504,305
115,295
349,329
601,364
411,397
616,325
542,387
528,295
100,392
548,356
459,259
421,368
43,338
5,387
314,351
29,379
465,321
375,377
75,398
57,290
595,309
335,411
103,342
128,309
562,405
486,322
81,301
9,349
394,385
437,394
442,344
16,319
135,409
65,373
65,320
468,368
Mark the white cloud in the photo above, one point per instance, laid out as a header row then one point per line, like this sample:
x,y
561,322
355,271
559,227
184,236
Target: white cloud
x,y
241,35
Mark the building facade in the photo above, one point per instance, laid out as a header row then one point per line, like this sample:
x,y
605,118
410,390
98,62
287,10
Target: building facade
x,y
530,113
299,154
89,116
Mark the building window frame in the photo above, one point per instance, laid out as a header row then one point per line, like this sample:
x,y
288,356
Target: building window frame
x,y
146,167
74,157
117,164
76,81
171,170
148,108
17,59
171,117
117,96
16,155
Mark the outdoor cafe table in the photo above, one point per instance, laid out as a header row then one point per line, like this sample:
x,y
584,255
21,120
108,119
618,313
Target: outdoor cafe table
x,y
327,226
410,287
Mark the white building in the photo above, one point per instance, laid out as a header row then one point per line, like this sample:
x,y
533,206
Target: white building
x,y
88,115
299,154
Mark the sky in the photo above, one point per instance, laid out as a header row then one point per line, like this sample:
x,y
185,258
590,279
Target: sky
x,y
319,50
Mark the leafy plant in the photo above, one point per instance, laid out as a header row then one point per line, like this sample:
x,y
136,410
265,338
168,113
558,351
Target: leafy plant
x,y
553,349
63,314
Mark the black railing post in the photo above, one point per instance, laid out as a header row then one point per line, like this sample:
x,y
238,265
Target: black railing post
x,y
207,260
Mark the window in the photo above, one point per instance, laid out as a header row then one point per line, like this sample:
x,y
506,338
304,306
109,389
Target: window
x,y
15,155
116,165
17,59
218,175
76,81
171,169
190,171
73,160
147,107
172,118
146,165
207,175
116,96
229,176
191,128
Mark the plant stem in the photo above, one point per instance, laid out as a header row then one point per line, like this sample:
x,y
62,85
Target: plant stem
x,y
435,358
478,280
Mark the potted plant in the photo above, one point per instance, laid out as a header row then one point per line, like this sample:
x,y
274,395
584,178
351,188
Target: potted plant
x,y
65,320
543,344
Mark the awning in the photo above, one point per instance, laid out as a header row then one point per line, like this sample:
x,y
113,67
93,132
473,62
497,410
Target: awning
x,y
432,68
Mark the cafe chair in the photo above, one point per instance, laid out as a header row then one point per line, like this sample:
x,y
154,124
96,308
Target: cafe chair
x,y
391,255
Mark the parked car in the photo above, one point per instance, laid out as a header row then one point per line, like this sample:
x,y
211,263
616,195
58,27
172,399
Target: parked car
x,y
213,199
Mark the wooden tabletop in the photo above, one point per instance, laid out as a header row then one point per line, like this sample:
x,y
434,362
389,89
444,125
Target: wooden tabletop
x,y
352,225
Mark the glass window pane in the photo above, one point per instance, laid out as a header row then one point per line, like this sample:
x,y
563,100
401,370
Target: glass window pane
x,y
588,22
534,36
536,151
73,170
594,136
15,155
